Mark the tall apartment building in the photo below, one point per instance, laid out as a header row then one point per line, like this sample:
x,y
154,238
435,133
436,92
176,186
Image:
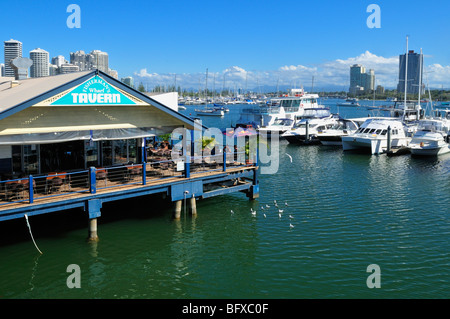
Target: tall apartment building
x,y
13,49
128,81
415,72
99,60
40,66
68,68
360,80
59,60
94,60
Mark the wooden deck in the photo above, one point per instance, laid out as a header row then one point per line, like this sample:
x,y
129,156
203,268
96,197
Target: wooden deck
x,y
116,190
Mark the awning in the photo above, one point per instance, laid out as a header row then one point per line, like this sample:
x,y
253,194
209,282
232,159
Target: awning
x,y
93,135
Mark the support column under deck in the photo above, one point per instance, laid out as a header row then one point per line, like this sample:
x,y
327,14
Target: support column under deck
x,y
93,208
177,209
93,236
193,206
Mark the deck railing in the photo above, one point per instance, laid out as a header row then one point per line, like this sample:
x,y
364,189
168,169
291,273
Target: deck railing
x,y
30,188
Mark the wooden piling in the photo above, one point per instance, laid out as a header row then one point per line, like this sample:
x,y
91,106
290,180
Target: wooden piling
x,y
93,235
177,210
193,206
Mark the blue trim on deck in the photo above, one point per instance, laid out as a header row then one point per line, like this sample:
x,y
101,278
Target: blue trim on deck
x,y
92,201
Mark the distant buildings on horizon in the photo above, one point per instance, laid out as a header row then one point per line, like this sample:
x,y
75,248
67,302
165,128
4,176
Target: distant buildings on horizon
x,y
415,72
361,82
42,66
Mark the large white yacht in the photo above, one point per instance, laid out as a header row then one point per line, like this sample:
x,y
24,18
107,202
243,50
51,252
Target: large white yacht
x,y
432,137
280,125
372,135
333,136
313,120
289,107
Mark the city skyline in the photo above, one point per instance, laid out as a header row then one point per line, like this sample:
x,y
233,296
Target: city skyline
x,y
247,44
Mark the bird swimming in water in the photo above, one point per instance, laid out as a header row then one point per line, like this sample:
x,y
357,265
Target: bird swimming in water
x,y
291,226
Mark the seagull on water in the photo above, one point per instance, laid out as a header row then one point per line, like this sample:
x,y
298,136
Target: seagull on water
x,y
267,206
291,226
253,211
291,217
285,203
281,210
264,215
279,215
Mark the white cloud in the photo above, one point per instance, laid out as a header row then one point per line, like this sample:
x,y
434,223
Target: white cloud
x,y
334,73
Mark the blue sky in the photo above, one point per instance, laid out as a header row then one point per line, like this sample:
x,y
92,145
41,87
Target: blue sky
x,y
261,41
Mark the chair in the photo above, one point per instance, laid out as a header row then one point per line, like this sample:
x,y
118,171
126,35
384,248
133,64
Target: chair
x,y
13,189
54,182
101,174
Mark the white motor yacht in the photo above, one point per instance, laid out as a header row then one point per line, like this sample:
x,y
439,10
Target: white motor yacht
x,y
280,126
333,135
306,130
373,136
289,106
432,137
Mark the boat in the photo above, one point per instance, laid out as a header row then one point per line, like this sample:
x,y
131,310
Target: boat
x,y
305,131
372,135
210,111
432,137
333,135
349,102
280,126
290,106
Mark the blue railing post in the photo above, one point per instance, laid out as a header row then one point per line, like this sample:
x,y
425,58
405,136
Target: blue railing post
x,y
31,189
187,168
224,160
92,181
144,173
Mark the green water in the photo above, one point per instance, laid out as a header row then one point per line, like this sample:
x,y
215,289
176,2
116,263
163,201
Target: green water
x,y
349,211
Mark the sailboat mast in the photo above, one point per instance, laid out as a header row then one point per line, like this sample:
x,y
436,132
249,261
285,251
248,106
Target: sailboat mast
x,y
406,71
206,88
420,75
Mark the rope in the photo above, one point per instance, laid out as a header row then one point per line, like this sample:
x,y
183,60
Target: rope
x,y
29,228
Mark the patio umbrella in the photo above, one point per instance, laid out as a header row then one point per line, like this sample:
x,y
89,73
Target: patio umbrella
x,y
240,131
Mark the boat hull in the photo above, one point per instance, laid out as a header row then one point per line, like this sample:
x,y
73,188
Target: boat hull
x,y
374,145
302,140
430,151
330,140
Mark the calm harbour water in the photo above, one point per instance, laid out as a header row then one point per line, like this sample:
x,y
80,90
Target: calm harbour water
x,y
349,211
